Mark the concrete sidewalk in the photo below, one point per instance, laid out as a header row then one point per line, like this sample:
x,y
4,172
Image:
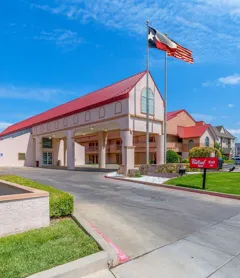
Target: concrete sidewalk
x,y
211,252
101,274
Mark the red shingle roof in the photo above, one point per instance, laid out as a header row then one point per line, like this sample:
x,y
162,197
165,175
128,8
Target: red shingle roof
x,y
114,92
192,131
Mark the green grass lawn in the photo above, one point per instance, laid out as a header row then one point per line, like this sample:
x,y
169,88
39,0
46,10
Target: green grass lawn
x,y
24,254
229,161
218,182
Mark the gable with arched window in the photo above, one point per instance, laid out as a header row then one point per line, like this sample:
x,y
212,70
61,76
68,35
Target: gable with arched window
x,y
207,142
150,101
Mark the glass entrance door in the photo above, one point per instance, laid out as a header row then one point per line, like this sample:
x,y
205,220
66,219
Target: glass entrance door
x,y
47,158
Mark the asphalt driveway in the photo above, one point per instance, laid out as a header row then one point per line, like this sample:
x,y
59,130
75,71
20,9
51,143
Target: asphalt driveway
x,y
137,218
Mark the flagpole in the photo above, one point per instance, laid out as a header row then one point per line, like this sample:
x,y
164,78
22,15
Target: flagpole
x,y
147,102
165,108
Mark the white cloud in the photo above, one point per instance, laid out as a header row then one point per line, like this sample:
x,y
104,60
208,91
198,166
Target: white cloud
x,y
234,131
230,105
4,125
61,37
223,81
194,23
230,80
203,117
38,94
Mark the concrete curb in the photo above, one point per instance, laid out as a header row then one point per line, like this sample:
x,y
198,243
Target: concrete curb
x,y
180,188
112,255
79,268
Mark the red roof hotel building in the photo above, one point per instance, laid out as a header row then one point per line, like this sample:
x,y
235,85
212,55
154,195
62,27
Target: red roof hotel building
x,y
107,126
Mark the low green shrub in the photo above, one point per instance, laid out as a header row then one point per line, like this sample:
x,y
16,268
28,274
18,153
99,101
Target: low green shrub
x,y
224,157
144,169
134,173
174,168
185,160
61,203
204,152
138,174
172,157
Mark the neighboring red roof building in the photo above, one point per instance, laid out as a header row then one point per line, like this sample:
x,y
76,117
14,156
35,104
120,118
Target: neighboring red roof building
x,y
173,114
200,123
192,131
117,91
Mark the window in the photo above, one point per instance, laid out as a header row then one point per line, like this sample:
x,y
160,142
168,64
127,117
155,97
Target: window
x,y
47,143
118,108
101,112
190,144
21,156
150,101
151,139
207,142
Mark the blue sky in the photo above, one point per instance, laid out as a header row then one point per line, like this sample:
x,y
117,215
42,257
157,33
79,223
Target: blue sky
x,y
56,50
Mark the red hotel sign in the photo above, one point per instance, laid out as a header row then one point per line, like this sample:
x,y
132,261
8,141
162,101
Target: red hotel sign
x,y
204,162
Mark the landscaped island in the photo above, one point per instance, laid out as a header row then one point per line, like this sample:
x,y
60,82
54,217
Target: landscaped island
x,y
36,250
218,182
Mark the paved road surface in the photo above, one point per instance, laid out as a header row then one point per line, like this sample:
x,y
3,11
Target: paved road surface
x,y
143,221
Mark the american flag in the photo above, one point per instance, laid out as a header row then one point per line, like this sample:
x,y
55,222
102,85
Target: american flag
x,y
181,53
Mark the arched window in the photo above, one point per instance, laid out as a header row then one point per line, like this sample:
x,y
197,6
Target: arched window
x,y
101,112
207,142
190,144
150,101
87,116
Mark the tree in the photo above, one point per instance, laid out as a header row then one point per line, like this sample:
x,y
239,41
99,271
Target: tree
x,y
218,146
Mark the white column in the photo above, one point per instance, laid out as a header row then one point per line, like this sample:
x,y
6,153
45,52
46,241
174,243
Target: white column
x,y
129,159
65,152
58,152
70,151
39,154
127,140
160,148
102,142
79,154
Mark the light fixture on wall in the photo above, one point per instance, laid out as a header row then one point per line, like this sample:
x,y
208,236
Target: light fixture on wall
x,y
92,128
106,129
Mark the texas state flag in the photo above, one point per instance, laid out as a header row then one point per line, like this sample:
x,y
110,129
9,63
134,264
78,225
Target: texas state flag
x,y
160,41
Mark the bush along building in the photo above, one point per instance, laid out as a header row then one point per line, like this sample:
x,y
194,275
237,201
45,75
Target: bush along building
x,y
226,141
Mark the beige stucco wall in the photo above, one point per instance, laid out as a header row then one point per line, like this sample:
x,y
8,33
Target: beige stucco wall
x,y
21,215
203,137
182,119
10,147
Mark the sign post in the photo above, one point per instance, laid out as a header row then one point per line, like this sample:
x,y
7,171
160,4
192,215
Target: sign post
x,y
204,163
